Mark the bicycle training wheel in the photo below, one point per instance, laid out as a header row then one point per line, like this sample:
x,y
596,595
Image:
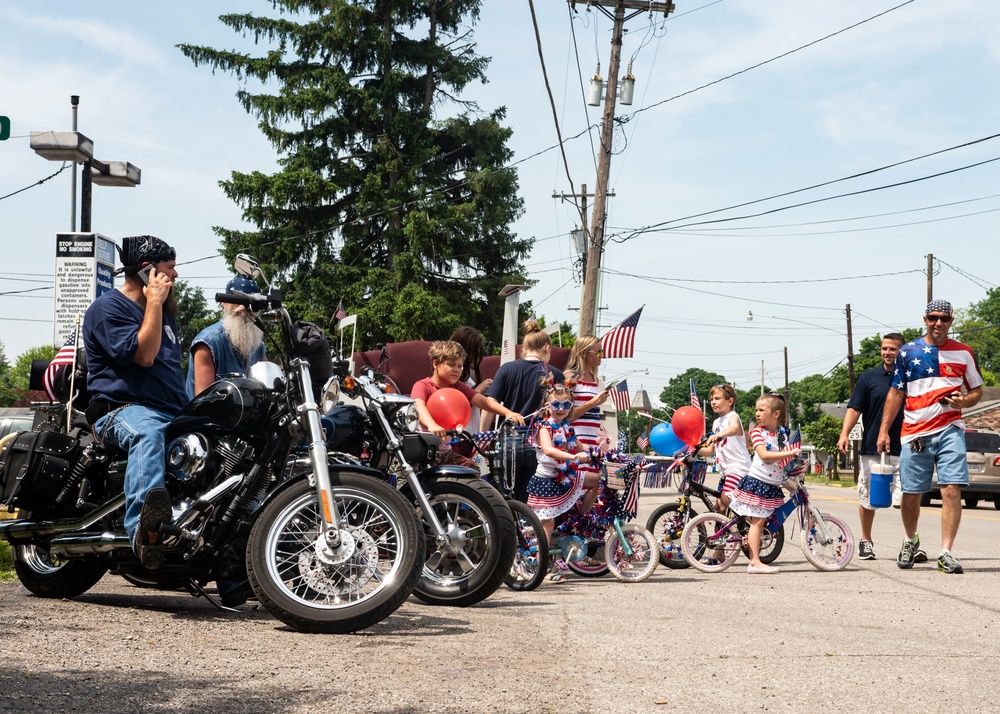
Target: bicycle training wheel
x,y
711,542
636,562
666,524
593,565
532,556
832,553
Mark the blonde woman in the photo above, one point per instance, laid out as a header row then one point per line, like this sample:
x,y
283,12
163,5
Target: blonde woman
x,y
585,417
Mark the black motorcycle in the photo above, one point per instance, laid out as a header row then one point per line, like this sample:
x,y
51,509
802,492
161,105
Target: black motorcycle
x,y
326,547
472,540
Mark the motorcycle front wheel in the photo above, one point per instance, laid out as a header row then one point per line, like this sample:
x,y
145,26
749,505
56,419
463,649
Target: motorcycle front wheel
x,y
296,579
476,556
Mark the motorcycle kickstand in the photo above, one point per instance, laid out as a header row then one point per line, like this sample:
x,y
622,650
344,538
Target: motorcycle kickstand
x,y
199,590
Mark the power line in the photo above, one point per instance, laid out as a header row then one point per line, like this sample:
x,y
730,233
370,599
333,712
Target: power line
x,y
37,183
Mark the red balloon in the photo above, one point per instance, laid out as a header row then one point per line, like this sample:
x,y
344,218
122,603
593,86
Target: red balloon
x,y
689,425
449,408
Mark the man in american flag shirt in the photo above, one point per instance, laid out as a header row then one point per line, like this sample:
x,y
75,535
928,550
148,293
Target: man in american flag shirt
x,y
927,381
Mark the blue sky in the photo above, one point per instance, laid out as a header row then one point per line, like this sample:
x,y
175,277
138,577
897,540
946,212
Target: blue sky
x,y
919,79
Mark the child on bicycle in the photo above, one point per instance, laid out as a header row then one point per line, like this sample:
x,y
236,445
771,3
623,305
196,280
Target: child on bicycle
x,y
557,484
759,492
727,443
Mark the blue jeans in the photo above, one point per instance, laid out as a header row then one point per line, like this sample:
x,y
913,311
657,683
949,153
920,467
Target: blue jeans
x,y
141,432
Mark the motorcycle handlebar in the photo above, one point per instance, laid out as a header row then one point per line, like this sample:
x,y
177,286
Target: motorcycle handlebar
x,y
254,302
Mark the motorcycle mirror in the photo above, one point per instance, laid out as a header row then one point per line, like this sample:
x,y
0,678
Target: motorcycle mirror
x,y
248,267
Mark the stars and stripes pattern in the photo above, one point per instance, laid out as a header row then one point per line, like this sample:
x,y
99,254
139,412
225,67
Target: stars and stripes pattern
x,y
340,314
620,341
620,396
926,374
643,440
796,466
66,356
695,402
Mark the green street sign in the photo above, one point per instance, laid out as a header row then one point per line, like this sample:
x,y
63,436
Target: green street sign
x,y
4,128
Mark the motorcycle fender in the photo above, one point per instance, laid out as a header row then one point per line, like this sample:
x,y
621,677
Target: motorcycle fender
x,y
435,472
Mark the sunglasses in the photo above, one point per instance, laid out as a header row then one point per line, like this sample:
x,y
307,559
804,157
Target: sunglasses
x,y
596,352
938,318
561,406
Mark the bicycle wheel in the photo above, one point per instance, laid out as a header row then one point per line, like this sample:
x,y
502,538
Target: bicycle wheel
x,y
528,569
833,553
634,566
771,542
711,542
666,524
594,565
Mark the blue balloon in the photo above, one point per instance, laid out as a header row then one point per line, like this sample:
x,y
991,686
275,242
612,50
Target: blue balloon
x,y
664,441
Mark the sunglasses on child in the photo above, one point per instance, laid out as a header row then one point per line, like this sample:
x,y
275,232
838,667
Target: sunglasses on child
x,y
561,406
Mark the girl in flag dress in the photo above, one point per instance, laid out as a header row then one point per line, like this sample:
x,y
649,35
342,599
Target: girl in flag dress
x,y
557,483
727,442
759,492
584,362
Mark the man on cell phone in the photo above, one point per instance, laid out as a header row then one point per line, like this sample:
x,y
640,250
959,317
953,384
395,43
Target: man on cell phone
x,y
927,383
135,381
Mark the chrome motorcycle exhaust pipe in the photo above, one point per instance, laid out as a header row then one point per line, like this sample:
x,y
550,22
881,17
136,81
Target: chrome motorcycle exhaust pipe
x,y
14,531
89,544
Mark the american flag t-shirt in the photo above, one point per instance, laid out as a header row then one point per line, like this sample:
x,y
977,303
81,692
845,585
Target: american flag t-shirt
x,y
926,373
620,341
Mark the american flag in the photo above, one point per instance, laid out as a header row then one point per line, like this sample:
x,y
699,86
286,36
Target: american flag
x,y
66,356
620,341
695,402
795,466
619,395
340,314
643,440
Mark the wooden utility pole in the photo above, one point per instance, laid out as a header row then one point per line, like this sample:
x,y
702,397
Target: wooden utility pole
x,y
595,247
850,374
583,196
930,277
788,421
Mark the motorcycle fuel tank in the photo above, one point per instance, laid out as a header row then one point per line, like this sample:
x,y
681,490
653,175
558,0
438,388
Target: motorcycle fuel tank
x,y
348,431
230,403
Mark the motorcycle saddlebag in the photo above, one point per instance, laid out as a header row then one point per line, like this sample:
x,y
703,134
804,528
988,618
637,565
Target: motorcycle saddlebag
x,y
34,467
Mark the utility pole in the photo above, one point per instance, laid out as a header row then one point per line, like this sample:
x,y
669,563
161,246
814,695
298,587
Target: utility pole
x,y
930,277
595,247
788,421
74,101
583,196
850,374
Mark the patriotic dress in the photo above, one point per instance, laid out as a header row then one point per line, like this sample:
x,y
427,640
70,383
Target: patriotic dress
x,y
587,426
556,485
759,492
731,453
926,373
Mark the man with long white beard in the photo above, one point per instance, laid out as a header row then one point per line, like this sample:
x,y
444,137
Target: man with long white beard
x,y
230,346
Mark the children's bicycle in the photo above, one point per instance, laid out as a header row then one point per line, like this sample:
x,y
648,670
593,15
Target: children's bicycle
x,y
667,522
711,542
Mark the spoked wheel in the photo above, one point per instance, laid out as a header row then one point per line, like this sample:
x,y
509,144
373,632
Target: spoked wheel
x,y
771,541
304,583
46,576
833,552
480,548
709,545
532,554
667,525
634,563
594,565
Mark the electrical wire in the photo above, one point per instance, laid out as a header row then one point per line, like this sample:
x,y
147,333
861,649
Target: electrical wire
x,y
37,183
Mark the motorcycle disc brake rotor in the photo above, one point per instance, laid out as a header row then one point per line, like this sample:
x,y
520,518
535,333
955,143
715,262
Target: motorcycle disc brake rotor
x,y
346,578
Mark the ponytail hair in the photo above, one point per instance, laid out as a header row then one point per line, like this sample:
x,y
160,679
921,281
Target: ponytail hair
x,y
535,338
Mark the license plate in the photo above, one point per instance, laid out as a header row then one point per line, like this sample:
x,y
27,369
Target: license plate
x,y
978,468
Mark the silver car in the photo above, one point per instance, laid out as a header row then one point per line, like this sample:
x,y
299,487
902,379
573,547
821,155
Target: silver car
x,y
982,448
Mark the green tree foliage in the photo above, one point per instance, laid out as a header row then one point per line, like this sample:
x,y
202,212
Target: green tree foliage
x,y
824,433
21,371
193,316
6,386
979,327
391,196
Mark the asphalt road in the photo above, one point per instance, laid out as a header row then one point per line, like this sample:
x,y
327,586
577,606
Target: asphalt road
x,y
870,638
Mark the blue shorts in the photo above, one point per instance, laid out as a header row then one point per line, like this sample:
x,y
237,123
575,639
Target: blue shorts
x,y
946,449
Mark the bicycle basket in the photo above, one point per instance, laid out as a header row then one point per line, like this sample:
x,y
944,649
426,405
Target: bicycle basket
x,y
616,482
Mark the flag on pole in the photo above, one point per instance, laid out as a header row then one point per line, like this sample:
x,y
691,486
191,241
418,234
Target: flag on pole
x,y
796,465
66,356
620,341
695,402
619,395
643,441
340,314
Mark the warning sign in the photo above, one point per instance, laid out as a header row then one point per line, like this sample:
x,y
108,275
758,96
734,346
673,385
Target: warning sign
x,y
85,264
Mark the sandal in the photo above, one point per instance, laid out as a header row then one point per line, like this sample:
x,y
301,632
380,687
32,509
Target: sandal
x,y
555,577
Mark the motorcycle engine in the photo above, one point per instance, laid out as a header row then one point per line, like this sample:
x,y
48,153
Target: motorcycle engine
x,y
186,457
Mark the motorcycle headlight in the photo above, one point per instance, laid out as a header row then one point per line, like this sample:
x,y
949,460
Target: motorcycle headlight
x,y
330,396
407,419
